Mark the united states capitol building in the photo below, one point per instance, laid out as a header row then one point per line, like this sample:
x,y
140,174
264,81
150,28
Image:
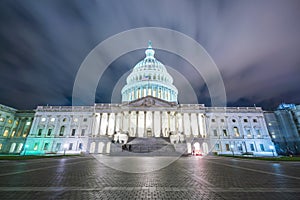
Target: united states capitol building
x,y
148,120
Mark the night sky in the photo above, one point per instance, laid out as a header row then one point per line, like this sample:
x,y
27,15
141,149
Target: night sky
x,y
255,44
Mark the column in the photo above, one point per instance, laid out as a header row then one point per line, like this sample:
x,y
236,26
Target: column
x,y
148,122
125,121
96,124
111,124
141,128
172,122
133,124
194,124
165,123
187,124
103,125
157,123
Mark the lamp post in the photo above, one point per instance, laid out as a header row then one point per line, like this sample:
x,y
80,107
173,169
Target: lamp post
x,y
232,146
65,148
272,149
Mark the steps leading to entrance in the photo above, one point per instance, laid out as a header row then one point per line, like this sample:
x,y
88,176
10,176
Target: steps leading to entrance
x,y
152,146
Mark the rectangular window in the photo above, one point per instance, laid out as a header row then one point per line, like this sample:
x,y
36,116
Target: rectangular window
x,y
222,120
46,146
248,133
245,120
213,120
36,146
40,132
49,132
217,147
215,132
85,119
80,146
0,146
236,131
258,132
227,147
82,132
58,145
13,133
70,146
252,147
262,148
239,146
73,132
5,134
225,132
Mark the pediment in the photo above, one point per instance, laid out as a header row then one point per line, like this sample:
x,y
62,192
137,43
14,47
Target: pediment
x,y
150,101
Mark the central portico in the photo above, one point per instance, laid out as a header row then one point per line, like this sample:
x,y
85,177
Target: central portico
x,y
150,117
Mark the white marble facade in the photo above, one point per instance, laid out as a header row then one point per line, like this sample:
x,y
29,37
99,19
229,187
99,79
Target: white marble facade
x,y
206,129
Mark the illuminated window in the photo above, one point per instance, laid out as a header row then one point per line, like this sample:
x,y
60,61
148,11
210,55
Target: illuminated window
x,y
28,123
236,131
270,124
1,119
0,146
225,132
36,146
52,119
62,130
274,136
13,133
5,134
43,119
17,122
248,132
258,132
9,121
75,119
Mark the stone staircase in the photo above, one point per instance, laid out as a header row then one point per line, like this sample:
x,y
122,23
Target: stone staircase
x,y
152,146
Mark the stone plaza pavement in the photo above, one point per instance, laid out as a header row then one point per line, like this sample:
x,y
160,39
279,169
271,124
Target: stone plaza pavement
x,y
185,178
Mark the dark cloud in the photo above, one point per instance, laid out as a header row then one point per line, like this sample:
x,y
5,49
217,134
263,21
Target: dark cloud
x,y
255,44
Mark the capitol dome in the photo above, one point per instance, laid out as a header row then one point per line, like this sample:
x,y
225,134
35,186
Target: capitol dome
x,y
149,77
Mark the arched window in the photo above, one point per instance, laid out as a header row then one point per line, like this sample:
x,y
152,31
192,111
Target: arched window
x,y
62,130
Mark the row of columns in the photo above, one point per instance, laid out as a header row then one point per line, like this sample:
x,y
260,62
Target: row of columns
x,y
155,91
149,123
